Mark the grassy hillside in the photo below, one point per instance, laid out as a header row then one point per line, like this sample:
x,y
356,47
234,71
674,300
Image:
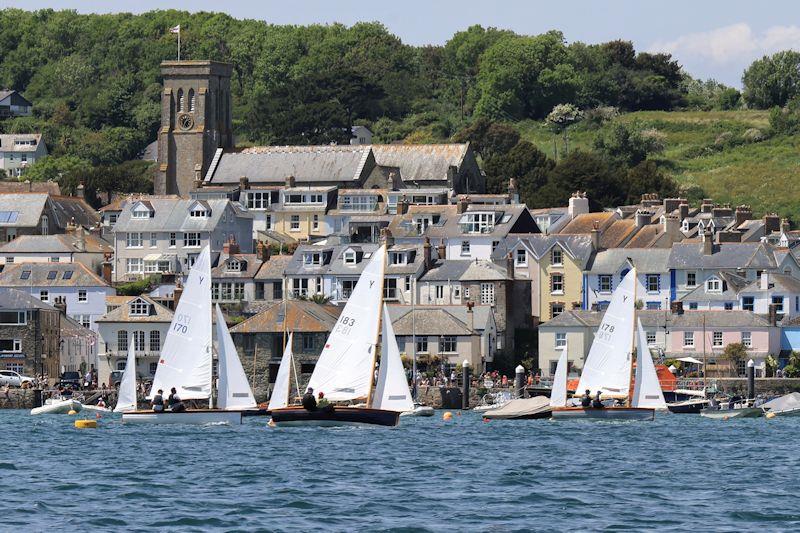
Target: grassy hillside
x,y
704,148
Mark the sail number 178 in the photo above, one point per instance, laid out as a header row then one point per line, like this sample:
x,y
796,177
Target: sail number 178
x,y
605,330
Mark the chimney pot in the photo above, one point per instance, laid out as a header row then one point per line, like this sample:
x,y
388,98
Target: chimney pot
x,y
427,255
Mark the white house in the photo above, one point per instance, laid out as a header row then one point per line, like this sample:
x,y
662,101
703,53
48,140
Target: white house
x,y
610,266
18,151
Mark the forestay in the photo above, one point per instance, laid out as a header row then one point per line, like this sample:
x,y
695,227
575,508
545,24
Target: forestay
x,y
234,392
126,398
280,393
647,389
344,369
186,359
558,394
391,392
607,367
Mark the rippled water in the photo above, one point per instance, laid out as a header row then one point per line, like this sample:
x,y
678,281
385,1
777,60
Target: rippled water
x,y
679,472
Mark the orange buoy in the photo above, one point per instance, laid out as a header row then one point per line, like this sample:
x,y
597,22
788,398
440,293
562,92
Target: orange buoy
x,y
447,415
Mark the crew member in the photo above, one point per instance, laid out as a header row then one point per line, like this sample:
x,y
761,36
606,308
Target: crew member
x,y
158,402
309,402
175,403
597,403
586,399
323,404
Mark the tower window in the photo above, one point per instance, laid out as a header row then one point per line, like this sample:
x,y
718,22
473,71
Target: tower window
x,y
181,102
191,99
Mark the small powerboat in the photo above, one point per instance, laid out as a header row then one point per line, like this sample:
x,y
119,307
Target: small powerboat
x,y
739,409
692,406
788,405
419,410
492,401
55,406
95,408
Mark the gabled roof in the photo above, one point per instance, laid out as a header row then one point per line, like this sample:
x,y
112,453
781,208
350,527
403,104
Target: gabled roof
x,y
251,261
7,143
732,285
646,260
727,256
5,93
64,243
172,214
158,313
25,209
49,275
778,283
273,268
465,270
437,320
654,318
578,247
420,162
300,317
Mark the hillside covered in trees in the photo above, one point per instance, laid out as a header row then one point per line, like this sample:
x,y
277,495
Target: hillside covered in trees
x,y
94,81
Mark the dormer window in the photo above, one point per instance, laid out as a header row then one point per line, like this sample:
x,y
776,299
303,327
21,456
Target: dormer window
x,y
139,307
713,285
398,258
521,257
312,258
234,265
198,211
349,257
140,211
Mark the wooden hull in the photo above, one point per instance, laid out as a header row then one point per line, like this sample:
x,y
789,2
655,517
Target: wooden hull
x,y
607,413
191,417
691,407
747,412
340,416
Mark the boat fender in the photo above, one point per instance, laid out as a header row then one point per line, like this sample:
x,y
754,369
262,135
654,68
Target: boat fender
x,y
72,412
771,415
86,424
447,415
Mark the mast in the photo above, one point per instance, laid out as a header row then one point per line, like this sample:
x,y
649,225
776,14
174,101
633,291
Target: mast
x,y
633,334
413,346
704,354
377,333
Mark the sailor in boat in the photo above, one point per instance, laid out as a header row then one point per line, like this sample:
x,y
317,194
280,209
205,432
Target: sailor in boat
x,y
175,403
309,402
323,404
597,403
586,399
158,402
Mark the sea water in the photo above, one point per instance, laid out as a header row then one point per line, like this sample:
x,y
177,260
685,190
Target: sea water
x,y
680,472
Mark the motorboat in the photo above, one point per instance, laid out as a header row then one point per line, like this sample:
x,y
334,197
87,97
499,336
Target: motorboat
x,y
691,406
739,409
787,405
419,410
522,409
491,401
54,406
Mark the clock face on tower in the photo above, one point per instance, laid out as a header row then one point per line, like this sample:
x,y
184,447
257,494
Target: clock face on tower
x,y
185,121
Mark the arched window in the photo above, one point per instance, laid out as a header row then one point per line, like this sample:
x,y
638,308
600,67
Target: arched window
x,y
181,102
191,99
138,341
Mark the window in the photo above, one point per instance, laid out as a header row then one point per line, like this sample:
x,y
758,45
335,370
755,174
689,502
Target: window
x,y
729,306
748,303
139,308
198,211
653,306
439,292
466,291
716,339
398,258
308,342
691,279
312,258
422,345
112,218
152,368
347,288
13,318
557,257
51,275
713,285
477,223
390,289
778,302
747,339
9,259
153,240
464,247
155,341
134,265
82,296
26,274
181,101
258,200
138,341
277,290
10,345
315,223
604,283
191,240
44,296
122,341
191,99
651,338
688,339
45,226
294,223
54,259
521,257
447,344
408,283
487,293
15,367
134,240
140,213
299,287
173,237
692,306
83,320
561,341
67,274
227,291
557,283
653,282
121,364
556,309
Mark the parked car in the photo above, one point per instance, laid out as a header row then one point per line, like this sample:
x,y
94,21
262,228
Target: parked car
x,y
115,379
71,380
14,379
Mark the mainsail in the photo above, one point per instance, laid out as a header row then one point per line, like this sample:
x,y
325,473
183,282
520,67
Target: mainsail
x,y
280,393
345,366
185,361
558,394
126,398
391,391
608,365
647,389
234,392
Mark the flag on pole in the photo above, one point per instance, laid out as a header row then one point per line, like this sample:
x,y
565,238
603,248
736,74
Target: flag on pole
x,y
176,29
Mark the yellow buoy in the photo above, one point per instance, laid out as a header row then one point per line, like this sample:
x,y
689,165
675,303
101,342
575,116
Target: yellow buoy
x,y
447,415
85,424
72,412
771,415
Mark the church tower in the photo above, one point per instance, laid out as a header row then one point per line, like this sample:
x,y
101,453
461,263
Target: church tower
x,y
195,122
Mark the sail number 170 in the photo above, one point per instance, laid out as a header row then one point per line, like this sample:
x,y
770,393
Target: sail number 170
x,y
181,323
605,330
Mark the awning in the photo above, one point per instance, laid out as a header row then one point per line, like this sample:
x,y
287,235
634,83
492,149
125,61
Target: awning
x,y
152,257
690,360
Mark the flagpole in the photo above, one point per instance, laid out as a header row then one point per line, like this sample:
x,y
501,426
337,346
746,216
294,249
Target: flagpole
x,y
179,43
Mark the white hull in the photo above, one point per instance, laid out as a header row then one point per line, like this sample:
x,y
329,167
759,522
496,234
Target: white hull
x,y
787,412
747,412
607,413
57,407
419,410
95,408
199,417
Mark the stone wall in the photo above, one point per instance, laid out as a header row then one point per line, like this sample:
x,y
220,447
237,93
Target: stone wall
x,y
765,386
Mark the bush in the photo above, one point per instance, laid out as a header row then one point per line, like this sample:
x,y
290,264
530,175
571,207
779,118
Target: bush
x,y
753,135
136,288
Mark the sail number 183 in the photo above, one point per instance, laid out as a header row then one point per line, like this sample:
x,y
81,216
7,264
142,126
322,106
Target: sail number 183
x,y
346,324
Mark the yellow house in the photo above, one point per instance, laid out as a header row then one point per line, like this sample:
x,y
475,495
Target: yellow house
x,y
555,265
301,212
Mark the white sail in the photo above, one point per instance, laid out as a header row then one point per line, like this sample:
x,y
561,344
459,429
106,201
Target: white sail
x,y
234,393
185,361
391,391
126,396
647,389
558,394
280,393
344,369
608,365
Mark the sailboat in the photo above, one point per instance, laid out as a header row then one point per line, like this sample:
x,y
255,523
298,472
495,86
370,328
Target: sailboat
x,y
126,396
280,393
186,360
609,365
346,366
418,408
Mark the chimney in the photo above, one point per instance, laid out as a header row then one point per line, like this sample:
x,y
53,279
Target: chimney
x,y
230,247
198,177
470,316
650,200
509,266
463,203
643,217
392,181
80,242
742,214
772,223
785,227
262,251
578,204
513,193
60,304
105,267
683,211
97,229
244,183
80,190
290,182
595,236
773,314
707,206
764,280
708,243
671,204
672,225
426,254
402,206
71,227
176,295
676,307
722,211
386,237
441,250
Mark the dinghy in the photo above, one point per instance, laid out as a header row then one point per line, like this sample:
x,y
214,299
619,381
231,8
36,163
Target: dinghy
x,y
57,406
126,396
788,405
609,365
419,409
186,361
345,369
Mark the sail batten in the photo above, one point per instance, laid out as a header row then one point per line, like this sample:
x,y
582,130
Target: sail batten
x,y
391,391
234,391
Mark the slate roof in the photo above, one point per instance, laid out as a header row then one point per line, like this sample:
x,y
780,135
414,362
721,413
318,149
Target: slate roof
x,y
646,260
171,214
579,247
65,243
732,284
7,143
726,256
71,208
465,270
403,225
436,321
158,313
778,283
253,264
420,162
273,268
49,275
584,223
15,300
654,318
301,317
27,206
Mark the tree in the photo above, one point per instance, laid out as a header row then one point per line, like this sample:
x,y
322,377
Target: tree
x,y
560,119
646,177
733,353
772,80
582,171
524,162
786,120
628,145
488,138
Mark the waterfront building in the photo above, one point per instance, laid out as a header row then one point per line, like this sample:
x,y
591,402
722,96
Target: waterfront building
x,y
29,334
